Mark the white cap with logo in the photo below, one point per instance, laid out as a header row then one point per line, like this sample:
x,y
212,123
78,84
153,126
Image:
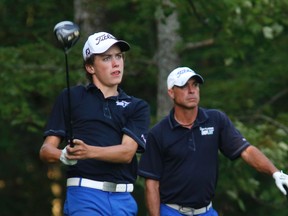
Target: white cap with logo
x,y
100,42
180,76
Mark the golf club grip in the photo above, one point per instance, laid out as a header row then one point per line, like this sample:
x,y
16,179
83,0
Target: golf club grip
x,y
69,141
71,144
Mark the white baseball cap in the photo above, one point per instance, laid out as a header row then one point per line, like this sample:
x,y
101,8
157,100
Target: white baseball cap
x,y
180,76
100,42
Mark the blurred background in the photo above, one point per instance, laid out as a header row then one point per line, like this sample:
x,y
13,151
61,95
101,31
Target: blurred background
x,y
238,46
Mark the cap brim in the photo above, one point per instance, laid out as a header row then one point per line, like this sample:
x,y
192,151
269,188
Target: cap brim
x,y
197,77
123,45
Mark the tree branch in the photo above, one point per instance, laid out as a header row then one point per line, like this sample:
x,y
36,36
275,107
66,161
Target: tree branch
x,y
273,99
199,44
272,121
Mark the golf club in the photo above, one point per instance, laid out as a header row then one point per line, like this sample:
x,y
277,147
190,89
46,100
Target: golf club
x,y
67,33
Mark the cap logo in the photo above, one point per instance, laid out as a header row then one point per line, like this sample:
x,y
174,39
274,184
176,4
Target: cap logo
x,y
103,38
179,73
87,52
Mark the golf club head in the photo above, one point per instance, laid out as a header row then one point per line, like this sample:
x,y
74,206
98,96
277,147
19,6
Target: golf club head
x,y
67,33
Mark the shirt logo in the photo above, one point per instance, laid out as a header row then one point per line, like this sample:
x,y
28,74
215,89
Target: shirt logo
x,y
207,131
122,103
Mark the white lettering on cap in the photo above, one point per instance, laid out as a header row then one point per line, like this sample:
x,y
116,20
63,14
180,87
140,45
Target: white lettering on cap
x,y
104,37
179,73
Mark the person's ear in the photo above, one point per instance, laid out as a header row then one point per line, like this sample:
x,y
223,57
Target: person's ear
x,y
90,69
171,93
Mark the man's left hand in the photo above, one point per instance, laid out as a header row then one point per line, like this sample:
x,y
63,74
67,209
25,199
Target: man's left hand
x,y
281,180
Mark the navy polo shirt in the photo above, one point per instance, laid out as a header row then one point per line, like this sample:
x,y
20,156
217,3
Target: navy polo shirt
x,y
100,121
185,161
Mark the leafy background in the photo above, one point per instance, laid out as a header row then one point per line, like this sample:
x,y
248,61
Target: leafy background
x,y
245,71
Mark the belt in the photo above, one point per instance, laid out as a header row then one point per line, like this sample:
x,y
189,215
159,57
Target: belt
x,y
104,186
190,211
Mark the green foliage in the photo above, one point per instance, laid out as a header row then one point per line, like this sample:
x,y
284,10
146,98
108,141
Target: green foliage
x,y
29,79
23,177
242,185
25,21
244,69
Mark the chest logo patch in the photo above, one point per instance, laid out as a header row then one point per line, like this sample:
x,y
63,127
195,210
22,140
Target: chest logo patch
x,y
122,103
207,131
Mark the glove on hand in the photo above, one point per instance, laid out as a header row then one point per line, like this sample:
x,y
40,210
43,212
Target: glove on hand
x,y
281,179
65,160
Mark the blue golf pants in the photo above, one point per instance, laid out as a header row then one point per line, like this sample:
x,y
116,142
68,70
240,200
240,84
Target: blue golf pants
x,y
168,211
83,201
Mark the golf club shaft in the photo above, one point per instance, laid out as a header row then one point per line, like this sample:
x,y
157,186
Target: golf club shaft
x,y
70,128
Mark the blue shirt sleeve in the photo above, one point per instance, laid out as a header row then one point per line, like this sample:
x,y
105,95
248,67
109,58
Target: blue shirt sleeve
x,y
232,142
138,123
56,122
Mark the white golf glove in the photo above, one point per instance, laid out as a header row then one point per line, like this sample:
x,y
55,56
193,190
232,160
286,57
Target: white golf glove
x,y
281,179
65,160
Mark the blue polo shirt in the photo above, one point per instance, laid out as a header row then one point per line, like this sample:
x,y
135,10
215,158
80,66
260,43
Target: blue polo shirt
x,y
100,121
185,161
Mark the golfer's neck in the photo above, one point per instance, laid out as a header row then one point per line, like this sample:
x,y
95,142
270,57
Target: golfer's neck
x,y
107,91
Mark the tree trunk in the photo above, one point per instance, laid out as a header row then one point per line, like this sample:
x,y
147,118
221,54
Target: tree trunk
x,y
90,16
167,57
